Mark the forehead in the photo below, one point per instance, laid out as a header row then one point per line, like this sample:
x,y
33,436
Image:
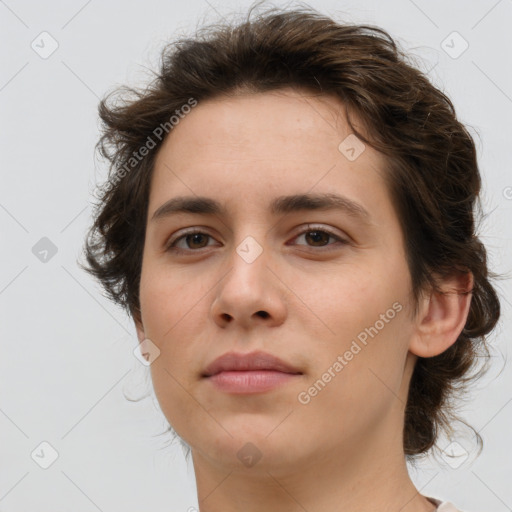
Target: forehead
x,y
254,124
249,148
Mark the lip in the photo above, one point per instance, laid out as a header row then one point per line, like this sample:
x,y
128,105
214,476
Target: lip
x,y
234,361
249,373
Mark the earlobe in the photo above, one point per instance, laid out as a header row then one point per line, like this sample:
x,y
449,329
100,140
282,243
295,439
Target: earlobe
x,y
442,316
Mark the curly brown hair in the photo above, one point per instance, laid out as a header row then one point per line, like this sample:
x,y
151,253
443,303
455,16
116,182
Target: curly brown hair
x,y
431,172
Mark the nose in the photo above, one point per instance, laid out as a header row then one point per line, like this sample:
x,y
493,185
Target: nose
x,y
250,293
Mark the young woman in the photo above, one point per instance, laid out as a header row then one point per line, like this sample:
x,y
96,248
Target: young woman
x,y
289,220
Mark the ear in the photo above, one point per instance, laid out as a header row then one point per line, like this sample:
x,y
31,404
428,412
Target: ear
x,y
442,316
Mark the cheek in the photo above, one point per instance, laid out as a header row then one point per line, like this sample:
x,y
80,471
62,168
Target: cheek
x,y
343,300
368,327
360,394
166,299
173,316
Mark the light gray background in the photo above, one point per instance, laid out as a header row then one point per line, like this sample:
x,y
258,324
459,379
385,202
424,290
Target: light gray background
x,y
66,352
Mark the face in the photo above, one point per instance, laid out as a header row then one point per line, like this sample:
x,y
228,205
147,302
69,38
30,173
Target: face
x,y
324,290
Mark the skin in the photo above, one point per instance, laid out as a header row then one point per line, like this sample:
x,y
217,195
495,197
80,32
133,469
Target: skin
x,y
342,450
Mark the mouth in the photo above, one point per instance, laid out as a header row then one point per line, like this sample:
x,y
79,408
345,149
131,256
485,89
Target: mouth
x,y
255,372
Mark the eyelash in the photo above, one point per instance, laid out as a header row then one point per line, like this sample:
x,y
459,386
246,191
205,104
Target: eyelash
x,y
171,246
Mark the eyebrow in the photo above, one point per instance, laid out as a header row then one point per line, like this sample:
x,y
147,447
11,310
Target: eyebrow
x,y
279,205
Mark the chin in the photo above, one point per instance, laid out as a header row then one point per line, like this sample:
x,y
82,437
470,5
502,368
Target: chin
x,y
258,444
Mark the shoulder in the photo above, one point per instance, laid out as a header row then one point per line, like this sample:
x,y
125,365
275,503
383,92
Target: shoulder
x,y
444,506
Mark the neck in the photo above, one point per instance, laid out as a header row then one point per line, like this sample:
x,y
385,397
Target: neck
x,y
371,476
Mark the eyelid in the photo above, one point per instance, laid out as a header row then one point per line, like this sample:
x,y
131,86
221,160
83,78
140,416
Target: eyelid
x,y
186,231
318,227
301,231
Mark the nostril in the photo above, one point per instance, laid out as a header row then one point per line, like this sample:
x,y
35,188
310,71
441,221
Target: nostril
x,y
263,314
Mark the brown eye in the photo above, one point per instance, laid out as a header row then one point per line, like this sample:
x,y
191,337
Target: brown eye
x,y
319,237
196,238
190,241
